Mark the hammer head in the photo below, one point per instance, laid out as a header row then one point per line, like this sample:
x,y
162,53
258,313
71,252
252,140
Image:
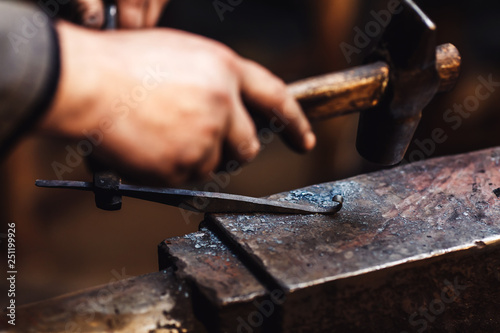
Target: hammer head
x,y
408,45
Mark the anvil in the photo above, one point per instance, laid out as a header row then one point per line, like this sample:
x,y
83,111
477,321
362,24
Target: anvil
x,y
415,248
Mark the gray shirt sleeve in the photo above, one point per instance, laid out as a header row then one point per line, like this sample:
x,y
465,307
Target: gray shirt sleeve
x,y
29,68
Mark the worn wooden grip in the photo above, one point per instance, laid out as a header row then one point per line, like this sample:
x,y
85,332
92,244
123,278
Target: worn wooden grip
x,y
343,92
363,87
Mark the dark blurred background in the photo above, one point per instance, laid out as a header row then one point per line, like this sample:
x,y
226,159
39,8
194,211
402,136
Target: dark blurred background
x,y
65,244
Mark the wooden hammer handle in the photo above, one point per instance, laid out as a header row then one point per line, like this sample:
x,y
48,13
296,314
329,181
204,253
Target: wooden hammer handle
x,y
363,87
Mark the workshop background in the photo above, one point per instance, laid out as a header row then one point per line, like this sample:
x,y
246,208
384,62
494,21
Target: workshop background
x,y
65,244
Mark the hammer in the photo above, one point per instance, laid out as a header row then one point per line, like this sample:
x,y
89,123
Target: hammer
x,y
405,72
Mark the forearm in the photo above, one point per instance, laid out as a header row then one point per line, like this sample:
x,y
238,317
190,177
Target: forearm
x,y
29,67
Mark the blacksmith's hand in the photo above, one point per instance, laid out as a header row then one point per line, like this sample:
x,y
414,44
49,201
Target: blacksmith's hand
x,y
163,105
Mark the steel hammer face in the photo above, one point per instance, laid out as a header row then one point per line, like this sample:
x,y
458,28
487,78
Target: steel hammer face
x,y
408,46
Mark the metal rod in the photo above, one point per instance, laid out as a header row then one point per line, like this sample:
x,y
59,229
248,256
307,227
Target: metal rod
x,y
203,202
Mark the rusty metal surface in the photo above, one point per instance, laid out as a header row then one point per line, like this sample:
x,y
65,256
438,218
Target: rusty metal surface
x,y
455,292
223,287
154,303
390,218
219,273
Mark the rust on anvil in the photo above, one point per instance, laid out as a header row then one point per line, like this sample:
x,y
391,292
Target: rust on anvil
x,y
223,287
391,218
204,256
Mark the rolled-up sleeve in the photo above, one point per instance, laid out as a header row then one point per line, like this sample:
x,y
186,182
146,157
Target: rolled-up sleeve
x,y
29,68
